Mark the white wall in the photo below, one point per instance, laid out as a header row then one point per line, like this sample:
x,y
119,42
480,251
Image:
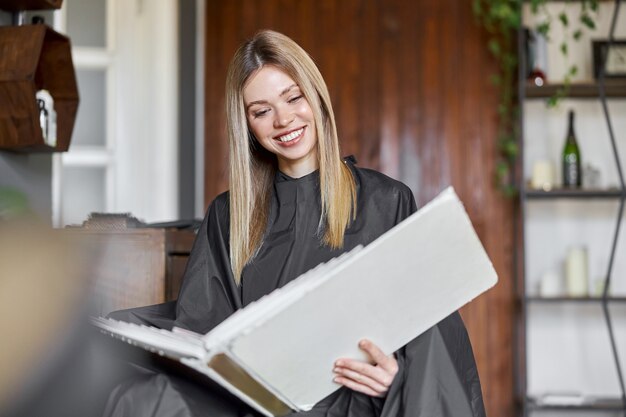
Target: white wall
x,y
146,137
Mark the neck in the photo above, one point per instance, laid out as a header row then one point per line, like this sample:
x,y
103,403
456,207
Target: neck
x,y
297,169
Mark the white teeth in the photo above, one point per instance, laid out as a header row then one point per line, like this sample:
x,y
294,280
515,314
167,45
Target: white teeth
x,y
291,136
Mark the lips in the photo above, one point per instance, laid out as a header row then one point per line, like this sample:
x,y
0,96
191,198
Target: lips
x,y
290,136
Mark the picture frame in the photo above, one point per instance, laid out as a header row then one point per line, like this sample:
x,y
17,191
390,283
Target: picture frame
x,y
615,66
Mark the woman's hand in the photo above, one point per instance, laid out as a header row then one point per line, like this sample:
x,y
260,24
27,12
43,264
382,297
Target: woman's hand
x,y
371,379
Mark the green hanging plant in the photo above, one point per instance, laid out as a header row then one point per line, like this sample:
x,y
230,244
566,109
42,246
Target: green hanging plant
x,y
502,19
573,32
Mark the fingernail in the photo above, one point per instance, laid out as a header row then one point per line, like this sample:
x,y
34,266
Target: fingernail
x,y
339,363
336,370
362,343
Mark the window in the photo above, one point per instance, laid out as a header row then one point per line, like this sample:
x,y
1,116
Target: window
x,y
123,156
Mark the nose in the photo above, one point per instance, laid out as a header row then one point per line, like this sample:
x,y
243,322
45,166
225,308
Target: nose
x,y
283,117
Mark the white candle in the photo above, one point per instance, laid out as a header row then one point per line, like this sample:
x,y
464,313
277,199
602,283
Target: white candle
x,y
576,272
551,285
543,175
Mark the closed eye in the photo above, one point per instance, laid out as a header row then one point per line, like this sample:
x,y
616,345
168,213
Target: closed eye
x,y
260,113
294,99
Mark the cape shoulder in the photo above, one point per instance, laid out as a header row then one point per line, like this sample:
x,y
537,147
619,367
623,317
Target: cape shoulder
x,y
219,209
371,184
374,184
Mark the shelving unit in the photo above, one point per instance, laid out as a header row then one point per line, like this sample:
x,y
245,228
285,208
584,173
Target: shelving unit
x,y
601,90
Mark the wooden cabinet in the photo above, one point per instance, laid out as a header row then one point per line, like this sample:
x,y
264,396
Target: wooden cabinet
x,y
135,267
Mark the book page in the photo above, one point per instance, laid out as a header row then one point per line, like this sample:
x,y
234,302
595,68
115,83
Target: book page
x,y
175,345
396,288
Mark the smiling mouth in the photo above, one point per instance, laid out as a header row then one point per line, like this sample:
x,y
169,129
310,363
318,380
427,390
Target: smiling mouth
x,y
288,137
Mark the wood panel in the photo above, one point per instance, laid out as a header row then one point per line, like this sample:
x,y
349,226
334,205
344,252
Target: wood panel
x,y
410,87
135,267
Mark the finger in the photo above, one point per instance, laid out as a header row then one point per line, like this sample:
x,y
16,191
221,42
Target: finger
x,y
374,372
353,385
378,356
361,379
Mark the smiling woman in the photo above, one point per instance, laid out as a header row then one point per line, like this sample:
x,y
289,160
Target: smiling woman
x,y
295,203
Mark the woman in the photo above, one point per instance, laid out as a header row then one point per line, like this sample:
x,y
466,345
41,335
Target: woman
x,y
294,203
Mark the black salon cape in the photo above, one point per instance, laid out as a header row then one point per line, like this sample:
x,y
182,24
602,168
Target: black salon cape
x,y
437,374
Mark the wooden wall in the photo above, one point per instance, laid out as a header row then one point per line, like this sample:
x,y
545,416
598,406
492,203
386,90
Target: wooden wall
x,y
409,84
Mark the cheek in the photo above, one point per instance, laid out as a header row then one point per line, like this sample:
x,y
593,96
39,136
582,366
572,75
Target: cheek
x,y
258,129
261,136
305,111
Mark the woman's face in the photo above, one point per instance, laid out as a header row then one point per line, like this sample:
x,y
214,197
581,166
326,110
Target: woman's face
x,y
282,121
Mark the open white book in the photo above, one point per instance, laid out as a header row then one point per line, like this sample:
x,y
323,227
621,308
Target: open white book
x,y
277,354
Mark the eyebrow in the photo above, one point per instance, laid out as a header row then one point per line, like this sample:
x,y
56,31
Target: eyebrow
x,y
285,91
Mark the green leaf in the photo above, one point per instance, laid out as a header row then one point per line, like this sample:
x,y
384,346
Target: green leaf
x,y
534,6
509,190
477,7
514,20
508,61
564,91
543,28
577,34
552,101
586,20
563,18
594,5
510,149
502,169
495,79
516,113
564,48
494,47
573,70
502,10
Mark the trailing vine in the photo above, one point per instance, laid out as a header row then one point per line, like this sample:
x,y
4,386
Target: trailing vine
x,y
588,12
502,19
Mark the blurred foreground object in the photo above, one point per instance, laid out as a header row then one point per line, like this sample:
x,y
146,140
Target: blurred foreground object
x,y
42,297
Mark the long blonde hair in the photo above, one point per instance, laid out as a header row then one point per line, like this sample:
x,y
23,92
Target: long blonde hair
x,y
252,168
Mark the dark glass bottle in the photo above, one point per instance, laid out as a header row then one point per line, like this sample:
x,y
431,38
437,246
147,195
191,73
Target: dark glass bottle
x,y
572,171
